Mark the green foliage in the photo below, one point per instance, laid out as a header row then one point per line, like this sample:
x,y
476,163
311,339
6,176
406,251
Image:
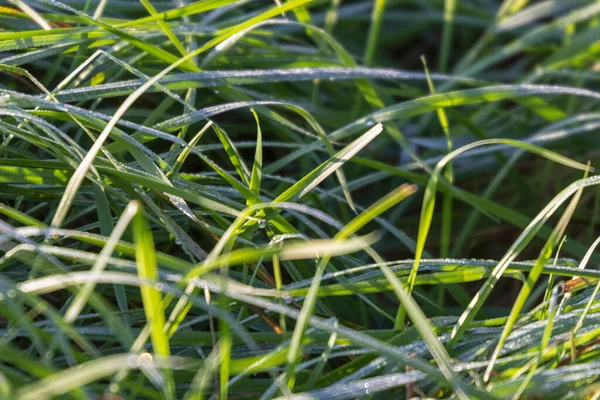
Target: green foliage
x,y
224,199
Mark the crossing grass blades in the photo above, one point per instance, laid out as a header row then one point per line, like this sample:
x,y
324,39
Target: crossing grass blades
x,y
302,199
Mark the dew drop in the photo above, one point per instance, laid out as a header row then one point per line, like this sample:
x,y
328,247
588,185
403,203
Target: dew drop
x,y
1,296
11,293
367,385
367,391
177,242
159,286
369,122
288,299
262,224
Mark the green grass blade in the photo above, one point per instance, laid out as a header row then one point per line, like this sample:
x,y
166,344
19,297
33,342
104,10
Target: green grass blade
x,y
311,298
151,296
534,275
256,177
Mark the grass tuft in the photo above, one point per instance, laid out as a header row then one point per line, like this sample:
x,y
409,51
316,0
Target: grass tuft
x,y
221,199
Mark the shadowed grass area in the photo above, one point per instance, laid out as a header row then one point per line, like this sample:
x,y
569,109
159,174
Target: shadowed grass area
x,y
303,199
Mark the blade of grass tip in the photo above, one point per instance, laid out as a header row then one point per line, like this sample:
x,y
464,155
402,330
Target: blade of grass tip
x,y
100,8
310,300
317,175
328,167
151,296
428,207
233,154
449,175
37,18
331,17
256,178
533,277
84,292
449,10
186,151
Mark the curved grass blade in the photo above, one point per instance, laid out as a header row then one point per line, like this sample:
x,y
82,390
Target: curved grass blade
x,y
534,275
469,314
256,178
311,298
431,190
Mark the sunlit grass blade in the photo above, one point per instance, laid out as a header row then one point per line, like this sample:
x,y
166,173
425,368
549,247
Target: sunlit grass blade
x,y
286,256
311,180
62,382
81,298
525,237
429,202
256,178
534,275
151,296
311,297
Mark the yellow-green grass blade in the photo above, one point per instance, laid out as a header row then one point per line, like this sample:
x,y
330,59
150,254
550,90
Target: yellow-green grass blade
x,y
151,296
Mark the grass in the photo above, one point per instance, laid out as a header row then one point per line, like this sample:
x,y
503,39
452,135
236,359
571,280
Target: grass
x,y
302,199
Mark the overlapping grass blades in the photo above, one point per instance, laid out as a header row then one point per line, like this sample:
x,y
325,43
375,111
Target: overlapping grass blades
x,y
228,198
